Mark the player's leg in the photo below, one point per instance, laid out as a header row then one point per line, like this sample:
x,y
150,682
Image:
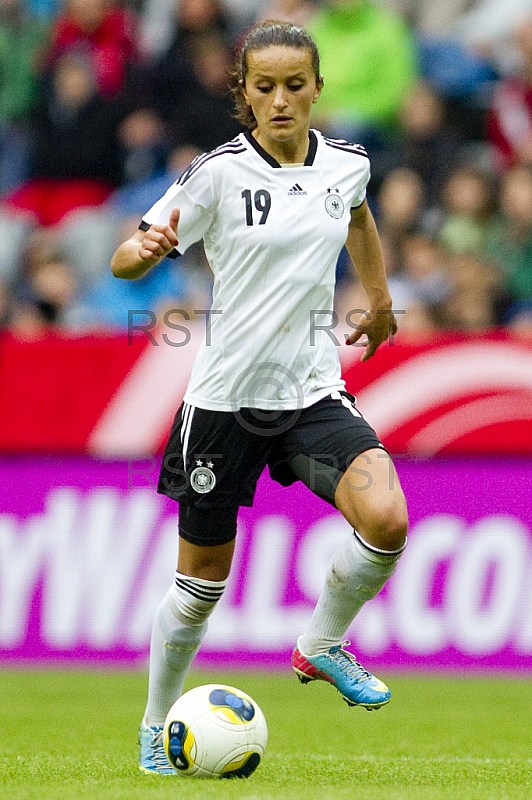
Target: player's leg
x,y
199,471
368,494
370,497
180,622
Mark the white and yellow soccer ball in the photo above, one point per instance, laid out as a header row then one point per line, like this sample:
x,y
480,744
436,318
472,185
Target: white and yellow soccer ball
x,y
215,731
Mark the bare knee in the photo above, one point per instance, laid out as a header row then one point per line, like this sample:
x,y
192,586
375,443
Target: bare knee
x,y
382,524
387,526
375,508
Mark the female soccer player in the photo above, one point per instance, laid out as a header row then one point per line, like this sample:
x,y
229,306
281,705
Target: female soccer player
x,y
274,206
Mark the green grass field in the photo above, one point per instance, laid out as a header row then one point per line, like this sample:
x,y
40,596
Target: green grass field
x,y
69,735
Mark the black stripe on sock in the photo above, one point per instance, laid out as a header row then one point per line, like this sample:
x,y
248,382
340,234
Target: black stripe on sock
x,y
199,592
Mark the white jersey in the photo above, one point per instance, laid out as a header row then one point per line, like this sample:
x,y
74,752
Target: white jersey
x,y
272,237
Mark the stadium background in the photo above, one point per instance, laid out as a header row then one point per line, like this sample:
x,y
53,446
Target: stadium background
x,y
87,548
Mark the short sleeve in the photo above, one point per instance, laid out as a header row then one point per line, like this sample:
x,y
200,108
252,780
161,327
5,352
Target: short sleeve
x,y
360,190
195,199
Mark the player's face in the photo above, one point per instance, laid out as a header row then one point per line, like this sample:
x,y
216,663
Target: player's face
x,y
281,88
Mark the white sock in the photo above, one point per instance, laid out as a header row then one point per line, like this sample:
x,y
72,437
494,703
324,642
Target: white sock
x,y
357,572
178,629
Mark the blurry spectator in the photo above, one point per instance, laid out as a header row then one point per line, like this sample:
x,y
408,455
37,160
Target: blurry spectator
x,y
509,243
187,85
53,291
76,160
109,301
462,75
101,31
22,43
487,28
169,26
48,294
469,204
436,18
198,110
399,212
510,128
519,320
369,63
351,303
427,143
243,13
144,145
472,303
15,228
89,236
133,198
197,17
191,95
422,280
156,23
455,71
423,268
298,12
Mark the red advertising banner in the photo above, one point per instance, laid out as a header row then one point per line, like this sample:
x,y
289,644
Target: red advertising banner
x,y
451,395
114,395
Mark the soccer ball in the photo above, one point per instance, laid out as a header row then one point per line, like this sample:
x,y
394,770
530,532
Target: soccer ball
x,y
215,731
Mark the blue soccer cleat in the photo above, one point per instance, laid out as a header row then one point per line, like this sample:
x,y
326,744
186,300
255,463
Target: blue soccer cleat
x,y
357,686
153,758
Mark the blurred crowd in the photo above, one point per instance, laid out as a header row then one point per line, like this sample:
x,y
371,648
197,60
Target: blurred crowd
x,y
104,102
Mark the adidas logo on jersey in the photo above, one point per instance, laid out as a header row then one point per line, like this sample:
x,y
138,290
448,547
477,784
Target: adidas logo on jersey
x,y
296,189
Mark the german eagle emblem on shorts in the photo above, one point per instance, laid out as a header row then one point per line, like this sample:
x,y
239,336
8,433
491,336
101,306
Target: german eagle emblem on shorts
x,y
203,480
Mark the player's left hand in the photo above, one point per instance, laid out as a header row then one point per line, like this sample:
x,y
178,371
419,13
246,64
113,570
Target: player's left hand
x,y
377,326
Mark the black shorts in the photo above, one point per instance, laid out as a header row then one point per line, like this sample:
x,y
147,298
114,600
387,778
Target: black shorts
x,y
213,459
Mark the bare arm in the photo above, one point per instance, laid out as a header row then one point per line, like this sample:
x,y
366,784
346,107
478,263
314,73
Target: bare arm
x,y
142,251
364,248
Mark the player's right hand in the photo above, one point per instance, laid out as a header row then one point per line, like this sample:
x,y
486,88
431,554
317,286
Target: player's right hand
x,y
159,240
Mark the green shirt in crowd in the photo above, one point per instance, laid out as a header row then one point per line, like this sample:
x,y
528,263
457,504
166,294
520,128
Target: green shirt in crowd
x,y
368,59
513,257
21,44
